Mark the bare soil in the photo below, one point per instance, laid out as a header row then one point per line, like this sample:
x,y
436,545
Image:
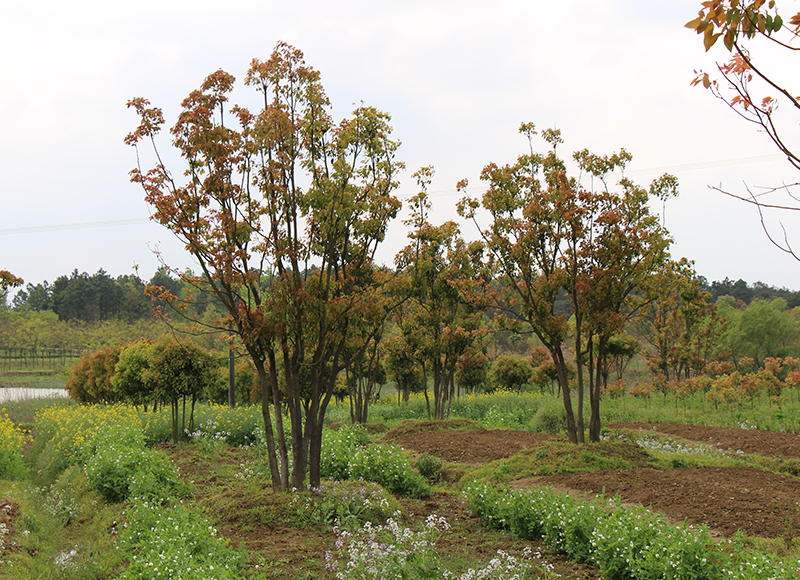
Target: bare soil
x,y
725,499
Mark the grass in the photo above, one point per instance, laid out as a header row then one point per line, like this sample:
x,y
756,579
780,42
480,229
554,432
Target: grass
x,y
230,486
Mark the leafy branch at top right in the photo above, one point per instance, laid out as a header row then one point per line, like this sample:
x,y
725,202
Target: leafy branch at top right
x,y
755,86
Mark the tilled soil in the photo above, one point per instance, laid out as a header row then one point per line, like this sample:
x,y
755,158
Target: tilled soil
x,y
748,441
472,447
725,499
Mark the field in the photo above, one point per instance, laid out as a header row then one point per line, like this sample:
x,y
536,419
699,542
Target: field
x,y
737,487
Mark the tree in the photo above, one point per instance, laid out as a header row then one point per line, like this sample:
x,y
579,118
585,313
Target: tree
x,y
442,317
681,326
283,210
766,330
510,373
402,367
552,235
90,379
178,372
83,297
7,281
129,373
752,88
472,369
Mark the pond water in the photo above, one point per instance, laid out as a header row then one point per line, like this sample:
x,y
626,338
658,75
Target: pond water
x,y
19,393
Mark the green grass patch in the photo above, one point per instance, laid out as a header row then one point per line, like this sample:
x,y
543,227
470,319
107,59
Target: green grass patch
x,y
556,457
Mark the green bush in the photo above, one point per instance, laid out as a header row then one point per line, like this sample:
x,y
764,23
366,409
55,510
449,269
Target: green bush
x,y
348,505
338,447
389,466
429,467
633,542
119,467
550,417
176,542
627,543
510,373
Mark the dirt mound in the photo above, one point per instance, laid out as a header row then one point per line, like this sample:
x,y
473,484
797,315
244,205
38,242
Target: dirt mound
x,y
748,441
726,499
473,447
410,426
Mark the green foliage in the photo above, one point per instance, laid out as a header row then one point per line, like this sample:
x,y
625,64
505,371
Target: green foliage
x,y
347,505
119,467
128,378
176,542
626,543
429,467
632,542
510,373
389,466
11,440
62,432
338,448
550,417
179,372
761,330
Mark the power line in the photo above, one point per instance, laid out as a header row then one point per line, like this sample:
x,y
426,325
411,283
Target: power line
x,y
76,226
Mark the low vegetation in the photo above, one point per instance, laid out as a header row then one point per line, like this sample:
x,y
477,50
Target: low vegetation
x,y
204,508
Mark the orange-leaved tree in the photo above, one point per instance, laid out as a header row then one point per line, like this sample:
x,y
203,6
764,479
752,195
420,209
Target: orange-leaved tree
x,y
550,235
282,209
7,281
441,320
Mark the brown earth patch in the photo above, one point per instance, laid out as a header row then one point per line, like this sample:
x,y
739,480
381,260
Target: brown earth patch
x,y
473,447
747,441
726,499
9,512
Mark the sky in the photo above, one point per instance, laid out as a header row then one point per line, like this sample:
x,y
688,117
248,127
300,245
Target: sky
x,y
458,78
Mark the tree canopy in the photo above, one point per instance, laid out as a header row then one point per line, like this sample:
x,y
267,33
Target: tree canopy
x,y
287,195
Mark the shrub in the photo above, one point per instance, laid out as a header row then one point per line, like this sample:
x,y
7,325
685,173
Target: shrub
x,y
389,466
349,504
550,417
176,542
11,440
625,542
338,447
90,378
429,467
119,467
510,373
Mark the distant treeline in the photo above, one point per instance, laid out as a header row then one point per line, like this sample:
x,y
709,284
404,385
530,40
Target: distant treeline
x,y
98,297
741,290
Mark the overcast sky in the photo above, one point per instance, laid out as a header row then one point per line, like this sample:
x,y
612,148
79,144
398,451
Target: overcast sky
x,y
457,77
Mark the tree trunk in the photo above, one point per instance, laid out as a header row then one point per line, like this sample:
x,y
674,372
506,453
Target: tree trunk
x,y
561,369
594,393
277,482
